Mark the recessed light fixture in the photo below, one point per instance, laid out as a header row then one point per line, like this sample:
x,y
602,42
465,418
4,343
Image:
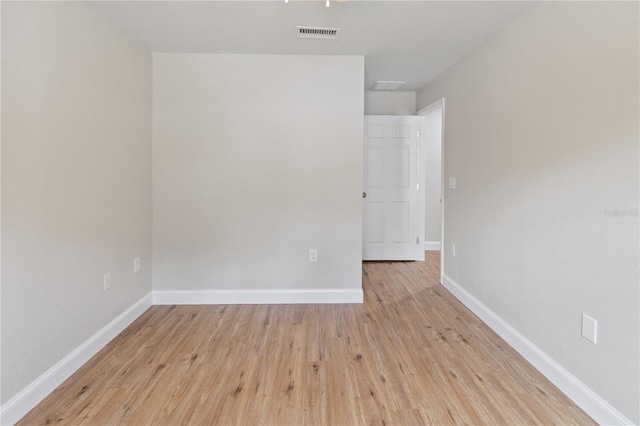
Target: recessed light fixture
x,y
388,85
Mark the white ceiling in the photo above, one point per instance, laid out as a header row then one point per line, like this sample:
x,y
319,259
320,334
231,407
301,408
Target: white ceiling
x,y
412,41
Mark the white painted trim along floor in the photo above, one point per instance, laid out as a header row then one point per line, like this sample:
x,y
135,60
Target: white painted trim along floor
x,y
584,397
592,404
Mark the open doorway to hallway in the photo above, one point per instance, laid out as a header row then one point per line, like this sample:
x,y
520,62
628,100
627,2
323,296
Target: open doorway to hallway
x,y
431,122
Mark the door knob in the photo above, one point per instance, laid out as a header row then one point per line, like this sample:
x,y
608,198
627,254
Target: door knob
x,y
364,195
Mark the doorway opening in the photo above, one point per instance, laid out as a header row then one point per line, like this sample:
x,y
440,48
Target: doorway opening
x,y
431,122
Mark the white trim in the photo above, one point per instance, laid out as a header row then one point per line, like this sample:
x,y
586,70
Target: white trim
x,y
592,404
431,107
29,397
432,245
442,194
18,406
255,297
440,103
420,256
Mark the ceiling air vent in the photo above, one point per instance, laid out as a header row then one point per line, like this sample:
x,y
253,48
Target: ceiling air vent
x,y
388,85
318,33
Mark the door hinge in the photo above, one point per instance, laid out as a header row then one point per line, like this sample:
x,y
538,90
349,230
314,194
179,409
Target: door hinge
x,y
418,133
417,187
417,240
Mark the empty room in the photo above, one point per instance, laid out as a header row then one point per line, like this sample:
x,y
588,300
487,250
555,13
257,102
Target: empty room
x,y
319,212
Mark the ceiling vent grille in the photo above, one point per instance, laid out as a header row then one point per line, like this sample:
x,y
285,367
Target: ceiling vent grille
x,y
388,85
318,33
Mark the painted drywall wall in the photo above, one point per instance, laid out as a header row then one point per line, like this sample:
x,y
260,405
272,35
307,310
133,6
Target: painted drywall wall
x,y
541,133
76,181
432,175
389,103
256,160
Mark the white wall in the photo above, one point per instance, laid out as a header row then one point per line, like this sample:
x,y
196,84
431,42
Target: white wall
x,y
257,159
433,176
542,134
76,181
389,103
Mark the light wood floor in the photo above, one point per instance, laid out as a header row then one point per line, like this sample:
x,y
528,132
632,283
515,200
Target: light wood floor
x,y
411,354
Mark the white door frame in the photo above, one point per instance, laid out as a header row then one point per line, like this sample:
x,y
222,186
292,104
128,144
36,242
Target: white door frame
x,y
422,144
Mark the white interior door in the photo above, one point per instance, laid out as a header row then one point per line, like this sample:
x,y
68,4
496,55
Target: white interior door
x,y
390,188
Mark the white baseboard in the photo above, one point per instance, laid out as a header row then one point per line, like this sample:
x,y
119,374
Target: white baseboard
x,y
29,397
432,245
592,404
253,297
14,409
585,398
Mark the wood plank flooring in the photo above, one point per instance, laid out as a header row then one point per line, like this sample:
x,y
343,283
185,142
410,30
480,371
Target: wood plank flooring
x,y
410,355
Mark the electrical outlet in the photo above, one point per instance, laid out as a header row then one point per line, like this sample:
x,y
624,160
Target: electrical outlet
x,y
589,328
136,265
106,281
452,182
453,250
313,255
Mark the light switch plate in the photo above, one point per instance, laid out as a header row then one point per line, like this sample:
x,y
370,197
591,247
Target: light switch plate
x,y
589,328
452,182
106,281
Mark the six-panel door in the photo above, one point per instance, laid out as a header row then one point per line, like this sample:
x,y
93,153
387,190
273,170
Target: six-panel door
x,y
390,184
